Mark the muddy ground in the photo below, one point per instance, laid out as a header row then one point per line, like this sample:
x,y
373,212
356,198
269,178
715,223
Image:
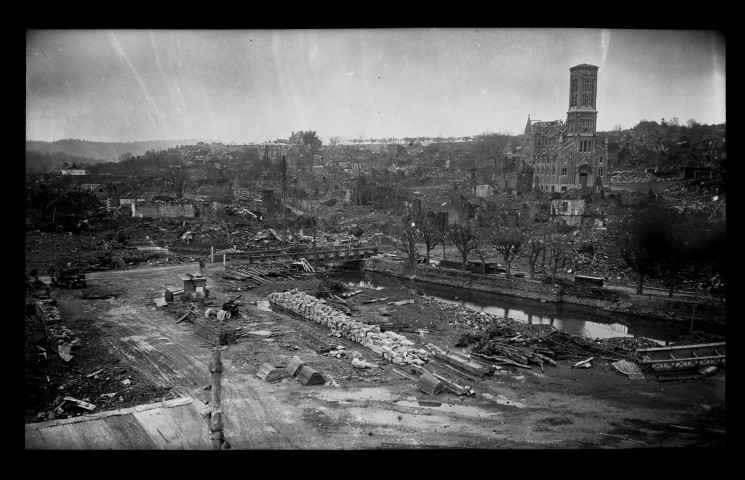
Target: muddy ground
x,y
127,336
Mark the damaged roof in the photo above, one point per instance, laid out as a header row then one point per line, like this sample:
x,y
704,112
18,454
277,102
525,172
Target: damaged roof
x,y
170,425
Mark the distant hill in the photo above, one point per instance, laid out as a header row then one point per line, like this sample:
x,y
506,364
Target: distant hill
x,y
104,151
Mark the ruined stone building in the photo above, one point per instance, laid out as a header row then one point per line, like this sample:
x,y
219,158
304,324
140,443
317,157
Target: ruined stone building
x,y
517,175
568,154
272,151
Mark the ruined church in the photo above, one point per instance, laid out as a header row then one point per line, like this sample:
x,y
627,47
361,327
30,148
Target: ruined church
x,y
569,155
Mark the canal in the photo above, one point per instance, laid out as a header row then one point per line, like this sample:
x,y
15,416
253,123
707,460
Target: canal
x,y
574,319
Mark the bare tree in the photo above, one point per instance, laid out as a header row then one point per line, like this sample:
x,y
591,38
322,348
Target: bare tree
x,y
407,237
464,240
534,249
481,244
334,142
224,220
507,241
442,227
559,248
179,181
429,233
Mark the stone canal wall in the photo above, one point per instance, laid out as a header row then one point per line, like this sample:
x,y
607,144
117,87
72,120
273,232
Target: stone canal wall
x,y
517,287
605,299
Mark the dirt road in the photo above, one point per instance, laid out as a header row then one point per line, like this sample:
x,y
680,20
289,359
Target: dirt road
x,y
367,409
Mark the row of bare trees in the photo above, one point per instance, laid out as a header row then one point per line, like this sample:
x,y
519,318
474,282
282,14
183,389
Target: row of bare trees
x,y
550,246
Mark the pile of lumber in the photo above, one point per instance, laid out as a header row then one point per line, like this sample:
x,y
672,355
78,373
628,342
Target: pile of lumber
x,y
307,266
519,344
518,356
565,345
213,331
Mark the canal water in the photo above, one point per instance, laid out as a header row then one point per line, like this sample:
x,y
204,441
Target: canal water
x,y
577,320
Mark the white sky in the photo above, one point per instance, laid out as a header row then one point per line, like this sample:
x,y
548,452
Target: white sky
x,y
257,85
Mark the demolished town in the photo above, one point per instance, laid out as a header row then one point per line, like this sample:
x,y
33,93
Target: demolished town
x,y
564,287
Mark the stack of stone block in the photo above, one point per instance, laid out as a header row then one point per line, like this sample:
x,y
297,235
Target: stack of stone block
x,y
390,345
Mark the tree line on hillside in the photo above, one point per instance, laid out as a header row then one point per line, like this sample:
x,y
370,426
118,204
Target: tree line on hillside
x,y
44,162
102,151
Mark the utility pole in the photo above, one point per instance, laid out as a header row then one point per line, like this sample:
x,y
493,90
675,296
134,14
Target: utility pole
x,y
543,261
315,250
695,303
284,227
216,433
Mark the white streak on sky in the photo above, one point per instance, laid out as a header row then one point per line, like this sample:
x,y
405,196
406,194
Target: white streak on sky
x,y
153,105
604,45
719,81
264,84
162,74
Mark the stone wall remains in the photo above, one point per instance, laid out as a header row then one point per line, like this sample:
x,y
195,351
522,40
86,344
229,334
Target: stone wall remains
x,y
162,209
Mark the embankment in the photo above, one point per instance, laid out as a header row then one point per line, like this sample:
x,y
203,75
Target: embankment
x,y
609,300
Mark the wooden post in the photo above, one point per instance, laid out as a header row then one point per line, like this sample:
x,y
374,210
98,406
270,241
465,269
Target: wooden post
x,y
212,254
216,434
695,302
284,226
223,260
543,261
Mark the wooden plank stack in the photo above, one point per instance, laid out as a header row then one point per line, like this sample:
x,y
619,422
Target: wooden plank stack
x,y
390,345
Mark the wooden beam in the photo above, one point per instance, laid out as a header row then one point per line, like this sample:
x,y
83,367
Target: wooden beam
x,y
216,433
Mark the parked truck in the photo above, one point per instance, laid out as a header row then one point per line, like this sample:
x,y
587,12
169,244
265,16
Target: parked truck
x,y
68,278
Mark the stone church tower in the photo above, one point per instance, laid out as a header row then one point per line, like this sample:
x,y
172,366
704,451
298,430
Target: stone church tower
x,y
587,156
569,155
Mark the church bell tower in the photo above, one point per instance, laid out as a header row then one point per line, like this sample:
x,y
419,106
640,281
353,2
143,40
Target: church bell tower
x,y
583,91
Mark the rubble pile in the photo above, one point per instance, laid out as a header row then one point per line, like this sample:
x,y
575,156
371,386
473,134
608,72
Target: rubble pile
x,y
461,316
596,256
634,176
704,188
45,247
390,345
626,345
695,196
58,335
699,337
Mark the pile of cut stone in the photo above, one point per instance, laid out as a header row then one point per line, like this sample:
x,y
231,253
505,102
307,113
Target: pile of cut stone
x,y
390,345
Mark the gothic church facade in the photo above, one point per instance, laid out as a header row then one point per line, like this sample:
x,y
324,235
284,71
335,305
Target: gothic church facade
x,y
567,154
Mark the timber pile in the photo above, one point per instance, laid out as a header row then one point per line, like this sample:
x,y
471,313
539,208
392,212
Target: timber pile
x,y
210,330
505,343
327,289
570,346
512,342
390,345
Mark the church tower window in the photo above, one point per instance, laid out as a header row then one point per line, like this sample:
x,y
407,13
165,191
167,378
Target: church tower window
x,y
573,91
